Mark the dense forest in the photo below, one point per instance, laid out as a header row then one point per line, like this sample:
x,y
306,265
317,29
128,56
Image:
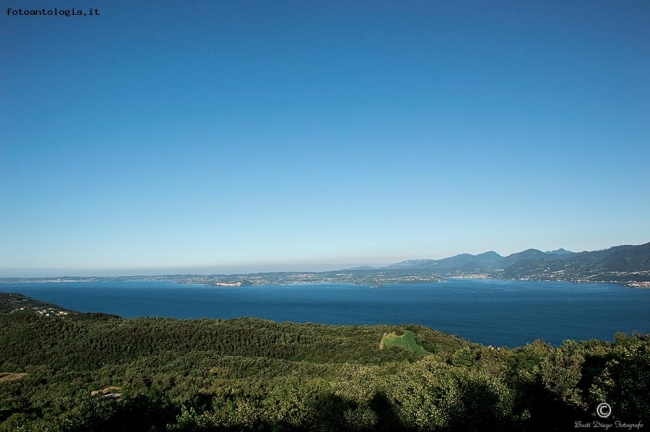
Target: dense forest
x,y
98,372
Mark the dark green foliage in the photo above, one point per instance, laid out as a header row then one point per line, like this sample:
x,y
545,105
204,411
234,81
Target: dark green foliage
x,y
257,375
625,378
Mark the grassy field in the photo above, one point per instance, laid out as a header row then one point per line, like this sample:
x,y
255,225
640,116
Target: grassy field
x,y
406,341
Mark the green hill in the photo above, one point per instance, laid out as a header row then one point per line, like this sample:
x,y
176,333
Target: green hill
x,y
98,372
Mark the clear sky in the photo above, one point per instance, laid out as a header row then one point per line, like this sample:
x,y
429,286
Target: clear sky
x,y
221,136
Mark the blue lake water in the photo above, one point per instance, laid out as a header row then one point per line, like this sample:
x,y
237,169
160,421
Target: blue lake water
x,y
495,312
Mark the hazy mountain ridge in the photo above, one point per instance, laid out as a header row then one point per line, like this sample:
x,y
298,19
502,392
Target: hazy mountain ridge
x,y
485,259
560,251
627,264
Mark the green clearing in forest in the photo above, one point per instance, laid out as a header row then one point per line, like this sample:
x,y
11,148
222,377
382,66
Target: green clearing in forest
x,y
405,341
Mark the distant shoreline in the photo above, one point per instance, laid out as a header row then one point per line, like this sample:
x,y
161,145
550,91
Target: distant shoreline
x,y
236,281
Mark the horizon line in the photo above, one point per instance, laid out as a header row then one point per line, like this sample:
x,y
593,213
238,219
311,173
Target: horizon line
x,y
229,269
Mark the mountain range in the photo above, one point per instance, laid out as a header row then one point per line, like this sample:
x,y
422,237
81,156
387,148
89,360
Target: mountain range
x,y
622,264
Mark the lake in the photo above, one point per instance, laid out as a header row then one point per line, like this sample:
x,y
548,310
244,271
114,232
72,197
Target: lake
x,y
492,312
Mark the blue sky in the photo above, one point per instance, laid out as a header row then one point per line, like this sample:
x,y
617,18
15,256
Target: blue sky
x,y
257,135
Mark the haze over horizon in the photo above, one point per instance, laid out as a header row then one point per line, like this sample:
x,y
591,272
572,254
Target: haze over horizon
x,y
215,269
265,135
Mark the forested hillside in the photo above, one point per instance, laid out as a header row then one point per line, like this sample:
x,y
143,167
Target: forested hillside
x,y
621,264
97,372
20,304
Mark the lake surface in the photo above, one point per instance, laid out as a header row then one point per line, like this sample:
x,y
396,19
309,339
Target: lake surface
x,y
494,312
